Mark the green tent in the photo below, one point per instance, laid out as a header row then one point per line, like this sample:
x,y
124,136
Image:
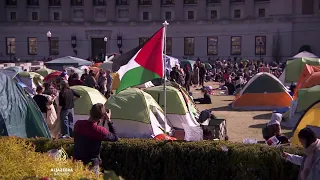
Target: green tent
x,y
175,101
132,104
44,71
307,96
89,97
189,63
295,67
263,82
19,114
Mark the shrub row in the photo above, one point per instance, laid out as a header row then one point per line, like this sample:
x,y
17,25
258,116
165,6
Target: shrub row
x,y
18,160
139,159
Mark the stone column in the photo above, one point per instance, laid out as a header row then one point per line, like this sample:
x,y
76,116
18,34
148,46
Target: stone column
x,y
3,15
156,10
22,10
88,11
44,10
133,10
249,9
111,10
201,10
225,9
66,10
178,10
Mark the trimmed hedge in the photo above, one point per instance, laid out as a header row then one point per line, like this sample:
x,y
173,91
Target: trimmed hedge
x,y
139,159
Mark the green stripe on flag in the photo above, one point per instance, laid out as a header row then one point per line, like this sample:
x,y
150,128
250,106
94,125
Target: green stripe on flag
x,y
136,76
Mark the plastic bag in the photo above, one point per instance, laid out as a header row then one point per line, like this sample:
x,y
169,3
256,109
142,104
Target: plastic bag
x,y
192,133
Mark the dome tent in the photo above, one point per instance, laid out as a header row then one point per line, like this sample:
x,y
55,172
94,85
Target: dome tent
x,y
309,119
262,92
178,112
136,114
19,114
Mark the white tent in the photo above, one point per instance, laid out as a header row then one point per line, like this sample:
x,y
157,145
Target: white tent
x,y
304,54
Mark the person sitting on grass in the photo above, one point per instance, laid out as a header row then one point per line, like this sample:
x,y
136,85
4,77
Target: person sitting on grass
x,y
273,129
88,136
206,98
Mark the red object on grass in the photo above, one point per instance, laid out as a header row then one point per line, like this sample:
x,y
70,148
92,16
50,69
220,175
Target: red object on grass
x,y
161,137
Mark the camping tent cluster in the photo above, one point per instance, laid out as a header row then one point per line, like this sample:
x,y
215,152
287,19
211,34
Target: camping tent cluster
x,y
266,92
148,122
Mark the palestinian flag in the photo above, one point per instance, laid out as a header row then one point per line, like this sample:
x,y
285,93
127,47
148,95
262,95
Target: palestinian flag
x,y
143,63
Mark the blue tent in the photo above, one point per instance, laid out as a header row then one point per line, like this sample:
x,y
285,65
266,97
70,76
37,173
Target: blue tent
x,y
19,114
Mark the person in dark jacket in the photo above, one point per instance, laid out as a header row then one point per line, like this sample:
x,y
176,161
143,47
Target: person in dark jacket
x,y
202,73
66,101
206,98
187,78
174,75
88,136
84,75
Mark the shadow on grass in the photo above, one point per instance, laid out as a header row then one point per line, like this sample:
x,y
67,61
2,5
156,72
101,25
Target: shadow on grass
x,y
222,108
259,126
263,116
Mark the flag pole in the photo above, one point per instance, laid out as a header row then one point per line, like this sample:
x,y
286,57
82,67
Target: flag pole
x,y
165,25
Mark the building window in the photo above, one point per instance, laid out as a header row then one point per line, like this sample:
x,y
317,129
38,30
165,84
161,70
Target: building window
x,y
99,2
34,16
33,2
212,45
261,13
167,2
56,16
11,2
145,2
189,46
145,16
236,45
213,14
260,44
307,6
142,40
190,1
213,1
11,46
76,2
54,46
123,13
237,14
168,45
167,15
54,2
13,16
190,15
122,2
32,46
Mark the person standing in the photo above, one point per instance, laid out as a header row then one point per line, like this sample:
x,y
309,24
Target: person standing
x,y
202,73
88,136
66,101
41,100
84,75
90,80
195,75
109,84
310,162
187,78
102,82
